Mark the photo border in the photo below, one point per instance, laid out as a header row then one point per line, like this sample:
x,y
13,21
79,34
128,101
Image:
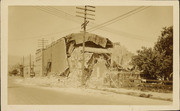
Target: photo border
x,y
4,54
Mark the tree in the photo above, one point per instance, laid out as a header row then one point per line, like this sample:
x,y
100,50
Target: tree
x,y
144,61
157,63
165,42
164,51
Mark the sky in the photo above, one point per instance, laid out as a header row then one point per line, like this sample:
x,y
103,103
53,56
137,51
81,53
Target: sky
x,y
28,24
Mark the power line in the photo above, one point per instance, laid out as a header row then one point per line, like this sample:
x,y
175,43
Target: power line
x,y
94,28
62,11
126,34
141,8
56,13
49,33
120,32
70,14
117,18
46,34
97,27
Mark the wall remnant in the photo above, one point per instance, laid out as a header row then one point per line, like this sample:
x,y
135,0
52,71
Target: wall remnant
x,y
64,57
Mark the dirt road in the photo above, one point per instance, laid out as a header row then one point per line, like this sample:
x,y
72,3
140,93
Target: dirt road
x,y
19,94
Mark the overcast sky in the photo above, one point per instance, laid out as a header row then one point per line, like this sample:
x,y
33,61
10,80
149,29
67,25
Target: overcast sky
x,y
28,24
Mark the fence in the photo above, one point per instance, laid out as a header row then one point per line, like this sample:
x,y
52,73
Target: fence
x,y
130,80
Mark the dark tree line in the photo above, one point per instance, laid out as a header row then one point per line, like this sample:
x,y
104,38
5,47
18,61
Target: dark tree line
x,y
157,62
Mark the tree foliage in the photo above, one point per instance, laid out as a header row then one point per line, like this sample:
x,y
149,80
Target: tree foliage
x,y
157,62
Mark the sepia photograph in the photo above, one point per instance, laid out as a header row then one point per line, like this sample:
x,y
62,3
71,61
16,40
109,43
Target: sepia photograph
x,y
91,55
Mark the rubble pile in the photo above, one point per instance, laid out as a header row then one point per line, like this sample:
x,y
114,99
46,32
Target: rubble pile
x,y
65,57
99,71
97,58
95,67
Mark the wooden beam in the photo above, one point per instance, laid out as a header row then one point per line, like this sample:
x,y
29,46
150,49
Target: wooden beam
x,y
90,6
85,9
86,13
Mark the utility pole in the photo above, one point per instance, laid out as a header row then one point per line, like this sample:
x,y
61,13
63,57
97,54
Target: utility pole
x,y
86,9
33,67
23,67
30,64
41,44
51,48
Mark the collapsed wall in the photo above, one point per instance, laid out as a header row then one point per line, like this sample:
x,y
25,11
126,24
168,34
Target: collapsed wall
x,y
55,58
64,57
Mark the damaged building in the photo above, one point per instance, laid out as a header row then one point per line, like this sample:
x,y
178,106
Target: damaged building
x,y
64,57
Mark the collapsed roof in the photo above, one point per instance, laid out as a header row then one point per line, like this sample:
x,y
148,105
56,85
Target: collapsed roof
x,y
91,40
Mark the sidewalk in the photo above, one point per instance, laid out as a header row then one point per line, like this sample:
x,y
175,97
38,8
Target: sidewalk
x,y
152,95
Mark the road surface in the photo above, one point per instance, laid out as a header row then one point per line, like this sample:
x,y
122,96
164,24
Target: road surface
x,y
19,94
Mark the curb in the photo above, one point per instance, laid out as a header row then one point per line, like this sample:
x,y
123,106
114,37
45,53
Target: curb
x,y
135,94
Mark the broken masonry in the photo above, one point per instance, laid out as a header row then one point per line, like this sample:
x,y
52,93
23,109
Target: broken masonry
x,y
64,57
